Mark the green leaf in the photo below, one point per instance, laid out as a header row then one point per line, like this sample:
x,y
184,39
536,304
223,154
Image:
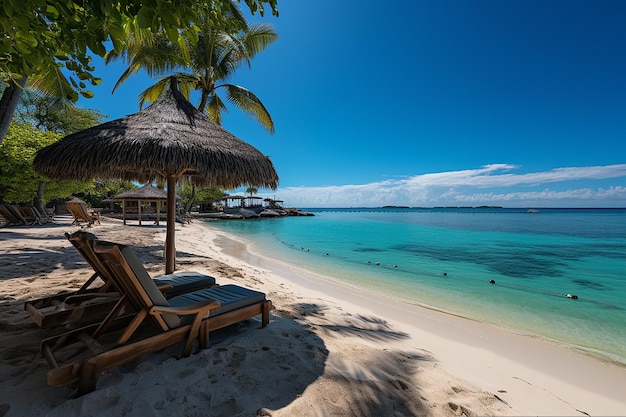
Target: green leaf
x,y
168,17
23,48
144,17
98,48
52,12
86,94
172,35
26,38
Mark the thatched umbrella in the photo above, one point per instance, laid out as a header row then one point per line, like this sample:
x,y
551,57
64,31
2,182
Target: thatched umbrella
x,y
168,140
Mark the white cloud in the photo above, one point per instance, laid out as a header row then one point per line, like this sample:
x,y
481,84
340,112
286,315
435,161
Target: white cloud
x,y
494,184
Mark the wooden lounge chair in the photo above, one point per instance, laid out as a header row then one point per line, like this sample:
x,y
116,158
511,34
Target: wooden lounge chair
x,y
180,319
26,216
78,210
9,214
42,216
91,302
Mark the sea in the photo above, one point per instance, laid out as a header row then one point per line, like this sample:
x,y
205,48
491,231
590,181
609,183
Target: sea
x,y
556,274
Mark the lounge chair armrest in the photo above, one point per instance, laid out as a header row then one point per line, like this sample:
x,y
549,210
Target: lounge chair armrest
x,y
203,306
165,287
79,298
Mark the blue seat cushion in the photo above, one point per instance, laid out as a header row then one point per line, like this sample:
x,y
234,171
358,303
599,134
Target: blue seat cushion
x,y
231,297
185,281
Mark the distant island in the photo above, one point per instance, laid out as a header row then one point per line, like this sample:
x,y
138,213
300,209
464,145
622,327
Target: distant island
x,y
446,207
470,207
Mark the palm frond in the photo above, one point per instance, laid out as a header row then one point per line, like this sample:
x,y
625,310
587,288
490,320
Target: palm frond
x,y
248,102
52,82
257,38
214,109
153,92
156,56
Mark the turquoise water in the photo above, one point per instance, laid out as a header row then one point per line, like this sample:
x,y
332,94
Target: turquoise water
x,y
446,258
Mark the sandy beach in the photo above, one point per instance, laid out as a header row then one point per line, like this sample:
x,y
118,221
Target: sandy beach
x,y
329,350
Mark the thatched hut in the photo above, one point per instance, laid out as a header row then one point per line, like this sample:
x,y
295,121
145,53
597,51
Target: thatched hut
x,y
143,200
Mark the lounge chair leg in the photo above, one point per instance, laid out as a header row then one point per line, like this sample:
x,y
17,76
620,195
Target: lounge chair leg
x,y
87,379
193,333
203,337
265,316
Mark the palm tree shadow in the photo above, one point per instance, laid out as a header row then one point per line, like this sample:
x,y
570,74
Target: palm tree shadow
x,y
366,327
373,381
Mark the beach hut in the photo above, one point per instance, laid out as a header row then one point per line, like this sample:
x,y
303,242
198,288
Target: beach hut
x,y
168,140
135,202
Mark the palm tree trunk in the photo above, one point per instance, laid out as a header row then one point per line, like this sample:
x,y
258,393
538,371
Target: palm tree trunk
x,y
8,103
38,200
203,100
191,199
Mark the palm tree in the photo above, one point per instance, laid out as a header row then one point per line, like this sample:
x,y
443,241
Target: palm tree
x,y
203,64
48,79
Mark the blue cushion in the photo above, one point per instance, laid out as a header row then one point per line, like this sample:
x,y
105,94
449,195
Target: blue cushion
x,y
231,297
185,281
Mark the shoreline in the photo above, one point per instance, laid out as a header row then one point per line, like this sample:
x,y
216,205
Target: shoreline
x,y
329,349
379,280
559,372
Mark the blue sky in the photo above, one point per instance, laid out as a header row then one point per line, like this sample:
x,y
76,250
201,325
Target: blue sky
x,y
430,103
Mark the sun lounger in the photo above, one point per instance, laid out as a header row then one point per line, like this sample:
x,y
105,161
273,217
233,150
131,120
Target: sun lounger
x,y
7,211
92,302
42,216
181,319
26,217
78,210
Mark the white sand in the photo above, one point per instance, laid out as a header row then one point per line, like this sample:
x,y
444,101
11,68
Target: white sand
x,y
329,350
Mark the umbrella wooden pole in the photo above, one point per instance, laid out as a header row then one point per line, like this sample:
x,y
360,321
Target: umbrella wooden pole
x,y
170,246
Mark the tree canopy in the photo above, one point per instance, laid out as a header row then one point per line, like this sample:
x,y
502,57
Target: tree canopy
x,y
52,114
43,37
40,121
40,32
18,181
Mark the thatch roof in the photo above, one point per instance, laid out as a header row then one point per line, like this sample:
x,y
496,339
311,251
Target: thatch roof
x,y
167,140
170,137
147,192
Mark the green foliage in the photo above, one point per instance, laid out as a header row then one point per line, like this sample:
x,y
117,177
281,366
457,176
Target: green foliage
x,y
55,115
198,195
99,190
40,36
202,63
18,181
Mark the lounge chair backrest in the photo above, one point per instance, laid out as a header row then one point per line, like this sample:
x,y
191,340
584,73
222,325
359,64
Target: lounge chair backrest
x,y
83,242
24,217
9,214
77,210
129,271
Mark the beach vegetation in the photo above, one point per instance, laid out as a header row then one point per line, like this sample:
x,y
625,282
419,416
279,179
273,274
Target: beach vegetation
x,y
19,183
41,120
47,39
203,196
